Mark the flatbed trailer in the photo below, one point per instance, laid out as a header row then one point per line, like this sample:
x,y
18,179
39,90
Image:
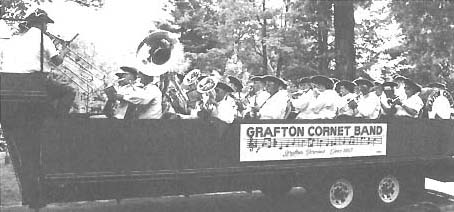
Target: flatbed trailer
x,y
81,159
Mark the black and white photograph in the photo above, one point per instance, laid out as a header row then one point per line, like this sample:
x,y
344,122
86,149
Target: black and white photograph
x,y
227,105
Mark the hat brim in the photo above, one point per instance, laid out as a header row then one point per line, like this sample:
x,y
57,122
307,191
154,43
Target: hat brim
x,y
224,87
270,78
364,82
322,80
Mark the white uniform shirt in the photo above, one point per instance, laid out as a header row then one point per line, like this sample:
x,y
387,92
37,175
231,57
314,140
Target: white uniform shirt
x,y
148,99
414,102
21,54
225,110
344,109
440,107
275,106
259,98
325,105
302,104
369,106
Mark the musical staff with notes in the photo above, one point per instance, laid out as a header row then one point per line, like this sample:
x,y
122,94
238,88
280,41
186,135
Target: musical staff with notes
x,y
255,144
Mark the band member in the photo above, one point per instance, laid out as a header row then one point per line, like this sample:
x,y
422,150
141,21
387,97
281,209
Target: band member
x,y
23,55
438,104
347,94
387,99
326,99
304,97
257,96
276,105
117,108
147,99
411,106
225,109
368,105
400,89
237,86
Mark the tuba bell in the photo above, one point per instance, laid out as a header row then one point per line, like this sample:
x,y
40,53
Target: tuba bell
x,y
159,53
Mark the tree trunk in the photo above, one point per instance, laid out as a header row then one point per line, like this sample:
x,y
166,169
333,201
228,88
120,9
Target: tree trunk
x,y
265,55
324,19
344,24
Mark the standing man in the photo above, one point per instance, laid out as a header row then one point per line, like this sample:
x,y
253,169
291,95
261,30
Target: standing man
x,y
411,106
23,55
368,105
147,99
276,105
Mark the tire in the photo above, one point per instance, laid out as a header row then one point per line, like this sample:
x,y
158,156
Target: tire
x,y
395,189
336,195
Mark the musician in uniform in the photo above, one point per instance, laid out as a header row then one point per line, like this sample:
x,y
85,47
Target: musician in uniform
x,y
368,105
117,108
326,99
225,109
23,56
147,99
237,86
257,97
347,94
400,89
438,104
387,99
303,98
411,106
276,105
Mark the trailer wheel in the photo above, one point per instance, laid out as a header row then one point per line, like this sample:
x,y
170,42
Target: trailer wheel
x,y
341,194
388,189
391,190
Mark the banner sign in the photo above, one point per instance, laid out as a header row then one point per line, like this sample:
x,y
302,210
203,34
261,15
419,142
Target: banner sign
x,y
264,142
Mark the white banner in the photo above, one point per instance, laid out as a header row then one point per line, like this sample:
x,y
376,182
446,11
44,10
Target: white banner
x,y
264,142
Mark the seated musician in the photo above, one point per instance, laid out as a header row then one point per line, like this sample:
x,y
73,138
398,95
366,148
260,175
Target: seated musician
x,y
276,105
347,94
225,109
326,101
400,88
438,105
387,98
23,56
304,98
411,106
146,100
368,105
117,108
257,96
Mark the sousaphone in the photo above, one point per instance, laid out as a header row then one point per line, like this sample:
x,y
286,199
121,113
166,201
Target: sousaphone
x,y
159,53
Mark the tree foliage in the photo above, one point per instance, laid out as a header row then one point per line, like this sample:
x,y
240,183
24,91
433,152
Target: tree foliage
x,y
429,44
